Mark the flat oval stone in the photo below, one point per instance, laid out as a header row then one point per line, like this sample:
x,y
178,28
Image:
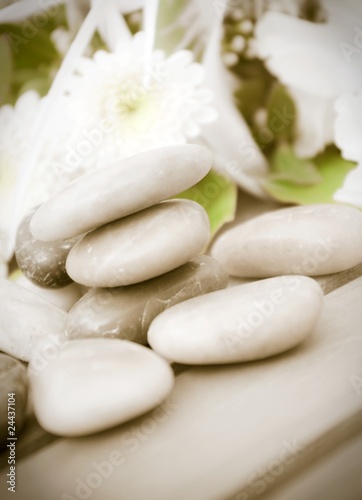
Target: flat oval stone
x,y
140,246
64,298
28,323
127,312
309,240
41,262
13,379
95,384
124,188
243,323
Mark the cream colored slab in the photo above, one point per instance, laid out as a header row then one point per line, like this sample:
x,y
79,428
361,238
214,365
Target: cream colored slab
x,y
223,424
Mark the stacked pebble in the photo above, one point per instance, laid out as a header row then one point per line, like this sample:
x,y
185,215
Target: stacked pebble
x,y
263,318
112,231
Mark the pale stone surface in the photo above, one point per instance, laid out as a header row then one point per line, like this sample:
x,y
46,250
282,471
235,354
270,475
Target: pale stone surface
x,y
42,262
95,384
13,379
28,322
242,323
127,312
310,240
140,246
64,298
124,188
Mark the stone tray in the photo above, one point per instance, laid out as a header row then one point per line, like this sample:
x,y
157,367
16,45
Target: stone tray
x,y
287,428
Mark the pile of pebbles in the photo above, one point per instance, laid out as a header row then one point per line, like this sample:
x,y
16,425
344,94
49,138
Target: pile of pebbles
x,y
137,254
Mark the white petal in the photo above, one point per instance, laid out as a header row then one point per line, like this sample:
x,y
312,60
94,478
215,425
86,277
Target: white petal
x,y
314,124
112,26
76,10
236,152
351,191
348,126
309,56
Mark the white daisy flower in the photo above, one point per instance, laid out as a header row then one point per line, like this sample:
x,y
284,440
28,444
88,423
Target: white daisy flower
x,y
318,62
348,136
146,101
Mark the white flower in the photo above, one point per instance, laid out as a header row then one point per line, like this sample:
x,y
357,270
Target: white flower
x,y
348,135
16,125
318,62
147,102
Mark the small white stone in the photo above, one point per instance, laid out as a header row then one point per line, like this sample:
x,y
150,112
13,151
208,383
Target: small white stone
x,y
28,322
311,240
243,323
141,246
92,385
124,188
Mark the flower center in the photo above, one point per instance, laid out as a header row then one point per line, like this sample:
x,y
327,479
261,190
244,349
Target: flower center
x,y
128,97
130,104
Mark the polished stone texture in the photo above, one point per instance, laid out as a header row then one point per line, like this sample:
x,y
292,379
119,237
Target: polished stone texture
x,y
127,312
243,323
140,246
42,262
310,240
124,188
95,384
28,323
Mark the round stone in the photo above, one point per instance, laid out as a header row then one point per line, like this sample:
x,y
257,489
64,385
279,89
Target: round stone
x,y
243,323
127,312
28,323
124,188
309,240
41,262
13,382
140,246
95,384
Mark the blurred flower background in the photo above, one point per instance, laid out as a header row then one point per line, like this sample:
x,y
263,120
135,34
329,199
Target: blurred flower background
x,y
272,87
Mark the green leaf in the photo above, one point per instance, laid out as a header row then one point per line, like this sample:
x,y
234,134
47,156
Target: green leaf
x,y
31,46
281,113
6,70
286,166
332,168
217,195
